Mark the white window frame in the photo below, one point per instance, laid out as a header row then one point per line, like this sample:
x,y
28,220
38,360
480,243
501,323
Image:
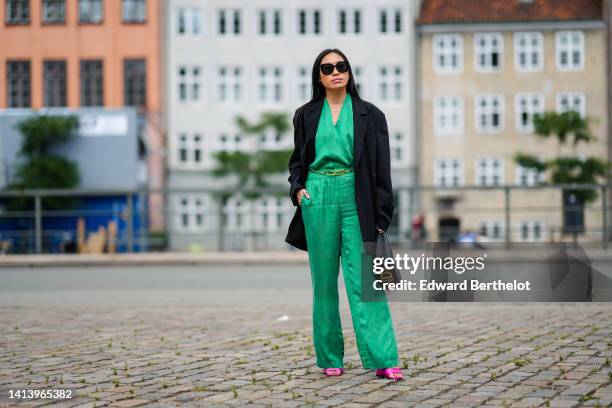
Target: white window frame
x,y
302,83
272,84
190,142
446,172
390,16
488,172
530,98
193,21
269,17
192,81
233,82
488,110
572,96
453,107
529,50
438,50
230,25
570,49
390,82
269,213
235,142
193,211
350,21
360,78
487,50
491,225
532,176
398,146
531,224
310,14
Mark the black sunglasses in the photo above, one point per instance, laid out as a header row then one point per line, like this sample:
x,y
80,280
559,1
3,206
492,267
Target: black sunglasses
x,y
328,69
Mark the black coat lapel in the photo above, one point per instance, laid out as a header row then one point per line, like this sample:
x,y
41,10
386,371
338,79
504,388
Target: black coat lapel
x,y
312,114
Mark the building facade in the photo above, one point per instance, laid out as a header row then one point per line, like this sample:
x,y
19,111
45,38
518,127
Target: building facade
x,y
77,54
485,68
229,58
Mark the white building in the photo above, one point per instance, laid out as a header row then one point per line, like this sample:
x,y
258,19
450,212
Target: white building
x,y
225,58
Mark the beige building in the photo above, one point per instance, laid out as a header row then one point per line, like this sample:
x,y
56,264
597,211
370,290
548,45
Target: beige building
x,y
482,76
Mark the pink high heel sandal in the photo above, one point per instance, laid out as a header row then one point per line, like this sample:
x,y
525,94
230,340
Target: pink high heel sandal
x,y
333,372
394,373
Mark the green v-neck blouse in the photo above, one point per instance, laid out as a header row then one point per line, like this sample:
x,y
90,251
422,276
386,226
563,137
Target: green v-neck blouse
x,y
334,143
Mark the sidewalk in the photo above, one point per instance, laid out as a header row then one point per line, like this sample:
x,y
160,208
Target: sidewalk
x,y
244,257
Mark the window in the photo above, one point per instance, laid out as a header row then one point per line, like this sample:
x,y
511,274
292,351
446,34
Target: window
x,y
188,21
575,101
268,213
531,230
54,11
273,140
237,213
528,51
489,113
92,83
570,50
189,83
527,105
390,83
191,213
232,143
390,21
448,115
269,84
349,21
448,172
489,171
134,82
269,22
526,176
492,229
90,11
359,79
309,21
134,11
229,83
303,84
228,22
448,53
190,151
17,12
397,146
54,73
18,92
488,51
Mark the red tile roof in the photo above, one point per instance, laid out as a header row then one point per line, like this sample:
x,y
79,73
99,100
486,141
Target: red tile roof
x,y
498,11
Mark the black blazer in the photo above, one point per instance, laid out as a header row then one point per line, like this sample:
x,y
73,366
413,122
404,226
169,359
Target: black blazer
x,y
372,163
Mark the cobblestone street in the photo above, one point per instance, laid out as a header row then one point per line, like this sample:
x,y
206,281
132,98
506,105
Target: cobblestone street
x,y
516,355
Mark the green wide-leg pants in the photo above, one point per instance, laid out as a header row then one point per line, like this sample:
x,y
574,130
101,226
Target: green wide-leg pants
x,y
333,233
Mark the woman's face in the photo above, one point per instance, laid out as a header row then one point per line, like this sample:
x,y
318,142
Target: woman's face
x,y
335,80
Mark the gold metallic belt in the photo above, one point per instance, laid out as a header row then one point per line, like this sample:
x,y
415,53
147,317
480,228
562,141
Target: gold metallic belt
x,y
332,172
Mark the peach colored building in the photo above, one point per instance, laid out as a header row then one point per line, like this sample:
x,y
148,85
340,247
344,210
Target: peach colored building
x,y
79,53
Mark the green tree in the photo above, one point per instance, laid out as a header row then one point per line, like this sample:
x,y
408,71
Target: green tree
x,y
251,168
40,169
569,128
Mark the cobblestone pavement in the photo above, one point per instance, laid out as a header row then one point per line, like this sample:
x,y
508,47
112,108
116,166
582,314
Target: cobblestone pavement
x,y
516,355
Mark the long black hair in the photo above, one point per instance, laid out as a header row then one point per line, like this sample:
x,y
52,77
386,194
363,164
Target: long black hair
x,y
318,90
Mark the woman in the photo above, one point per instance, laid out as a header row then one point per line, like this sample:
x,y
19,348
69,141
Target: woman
x,y
340,180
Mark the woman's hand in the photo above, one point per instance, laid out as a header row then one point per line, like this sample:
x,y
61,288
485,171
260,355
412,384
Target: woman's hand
x,y
301,193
